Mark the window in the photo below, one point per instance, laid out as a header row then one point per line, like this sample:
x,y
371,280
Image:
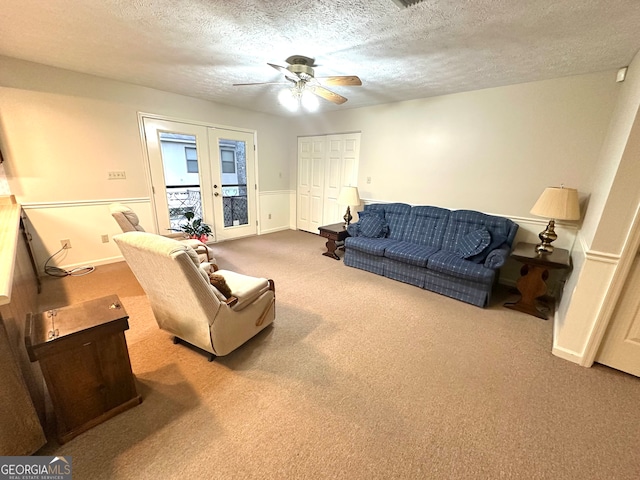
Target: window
x,y
191,155
228,160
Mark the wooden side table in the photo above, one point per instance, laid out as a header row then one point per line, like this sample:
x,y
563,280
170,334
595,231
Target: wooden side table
x,y
534,274
333,233
85,363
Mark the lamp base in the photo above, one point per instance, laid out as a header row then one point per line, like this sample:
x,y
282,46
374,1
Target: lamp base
x,y
347,216
546,237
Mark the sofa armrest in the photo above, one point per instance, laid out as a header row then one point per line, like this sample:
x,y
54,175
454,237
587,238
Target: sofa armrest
x,y
353,229
497,257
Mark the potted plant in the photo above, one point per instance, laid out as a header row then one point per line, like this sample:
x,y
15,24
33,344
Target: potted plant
x,y
195,228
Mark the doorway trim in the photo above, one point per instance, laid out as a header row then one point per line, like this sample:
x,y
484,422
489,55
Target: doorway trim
x,y
147,167
620,275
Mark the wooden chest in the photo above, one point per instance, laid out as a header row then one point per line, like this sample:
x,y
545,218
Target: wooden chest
x,y
84,359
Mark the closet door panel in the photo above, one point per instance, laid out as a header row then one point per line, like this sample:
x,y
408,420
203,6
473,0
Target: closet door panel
x,y
325,164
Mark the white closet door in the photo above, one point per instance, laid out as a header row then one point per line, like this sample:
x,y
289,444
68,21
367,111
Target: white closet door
x,y
326,163
343,152
311,165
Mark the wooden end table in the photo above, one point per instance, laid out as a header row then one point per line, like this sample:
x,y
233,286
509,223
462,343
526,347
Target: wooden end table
x,y
333,233
534,274
84,359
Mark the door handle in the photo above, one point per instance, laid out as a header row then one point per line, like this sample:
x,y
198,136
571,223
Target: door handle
x,y
216,194
215,186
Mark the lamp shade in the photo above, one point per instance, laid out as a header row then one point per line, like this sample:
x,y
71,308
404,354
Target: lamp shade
x,y
558,203
349,196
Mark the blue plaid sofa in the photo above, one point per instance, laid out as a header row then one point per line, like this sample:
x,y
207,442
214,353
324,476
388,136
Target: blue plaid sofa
x,y
456,253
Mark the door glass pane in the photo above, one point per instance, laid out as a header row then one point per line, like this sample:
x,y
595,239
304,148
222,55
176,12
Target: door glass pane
x,y
182,181
233,168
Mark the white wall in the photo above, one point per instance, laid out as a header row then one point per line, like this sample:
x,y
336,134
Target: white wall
x,y
63,131
492,150
4,184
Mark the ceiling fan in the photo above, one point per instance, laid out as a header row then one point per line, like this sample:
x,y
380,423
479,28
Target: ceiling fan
x,y
301,78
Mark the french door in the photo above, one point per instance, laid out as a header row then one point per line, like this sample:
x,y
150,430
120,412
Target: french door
x,y
233,182
205,170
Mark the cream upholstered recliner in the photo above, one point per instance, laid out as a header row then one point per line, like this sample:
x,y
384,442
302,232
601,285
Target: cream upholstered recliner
x,y
129,222
185,303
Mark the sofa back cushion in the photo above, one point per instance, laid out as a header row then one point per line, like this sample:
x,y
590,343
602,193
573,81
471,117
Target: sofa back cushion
x,y
427,226
395,214
462,222
373,226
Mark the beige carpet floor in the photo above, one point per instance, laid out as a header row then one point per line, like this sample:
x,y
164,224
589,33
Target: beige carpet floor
x,y
360,377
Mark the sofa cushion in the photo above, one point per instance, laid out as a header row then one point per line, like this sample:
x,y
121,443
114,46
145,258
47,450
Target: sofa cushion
x,y
451,264
410,253
354,228
461,222
427,225
373,226
372,246
396,215
473,243
496,241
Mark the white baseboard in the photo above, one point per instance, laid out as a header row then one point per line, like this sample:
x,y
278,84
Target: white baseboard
x,y
567,355
94,263
561,352
273,230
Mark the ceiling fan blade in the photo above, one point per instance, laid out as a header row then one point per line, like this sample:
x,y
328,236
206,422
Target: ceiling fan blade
x,y
328,95
261,83
347,81
290,75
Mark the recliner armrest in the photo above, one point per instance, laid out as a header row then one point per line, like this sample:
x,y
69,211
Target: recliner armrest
x,y
176,235
245,289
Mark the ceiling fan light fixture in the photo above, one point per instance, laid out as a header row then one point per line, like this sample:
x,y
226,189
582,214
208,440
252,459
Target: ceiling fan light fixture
x,y
306,89
288,99
309,101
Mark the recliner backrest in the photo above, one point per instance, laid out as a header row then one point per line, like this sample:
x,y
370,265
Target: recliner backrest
x,y
183,302
126,218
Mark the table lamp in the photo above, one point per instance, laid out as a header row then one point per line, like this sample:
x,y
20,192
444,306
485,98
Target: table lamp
x,y
556,203
348,196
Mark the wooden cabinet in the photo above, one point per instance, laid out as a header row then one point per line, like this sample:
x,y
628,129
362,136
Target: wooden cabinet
x,y
84,359
22,401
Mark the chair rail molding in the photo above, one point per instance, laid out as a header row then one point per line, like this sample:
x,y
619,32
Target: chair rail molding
x,y
83,203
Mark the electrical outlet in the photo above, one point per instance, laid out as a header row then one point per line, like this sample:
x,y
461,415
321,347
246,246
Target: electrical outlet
x,y
105,238
65,243
120,175
269,216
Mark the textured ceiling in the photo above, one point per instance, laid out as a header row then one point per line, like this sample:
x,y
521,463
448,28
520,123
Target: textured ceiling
x,y
201,47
